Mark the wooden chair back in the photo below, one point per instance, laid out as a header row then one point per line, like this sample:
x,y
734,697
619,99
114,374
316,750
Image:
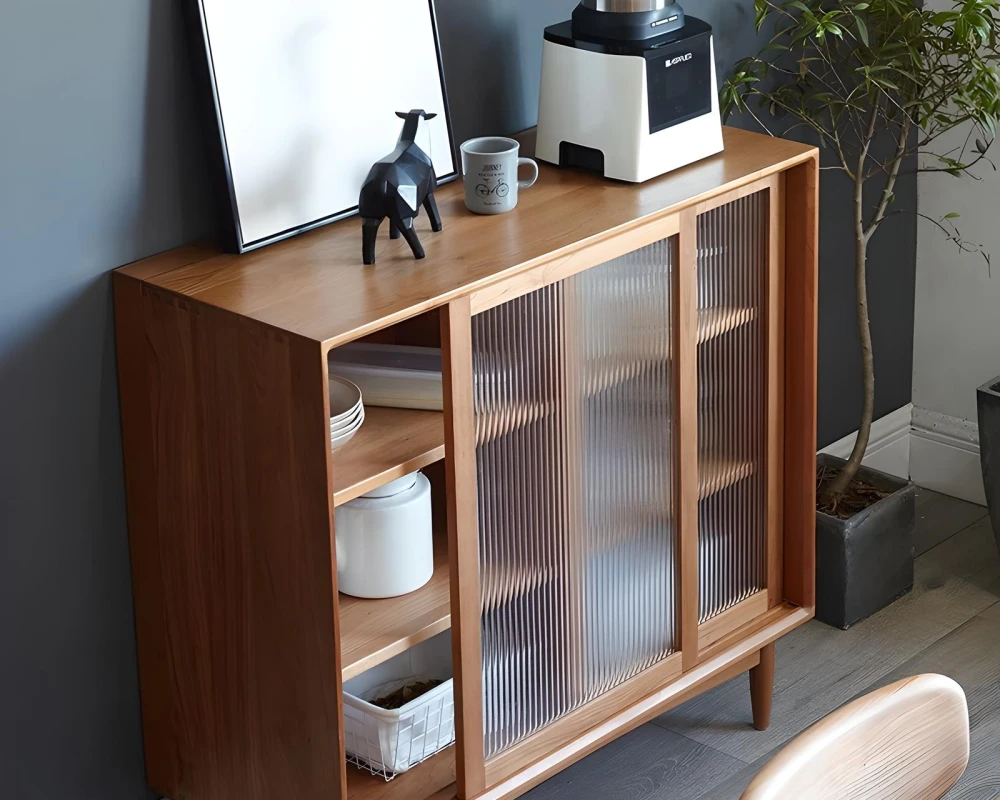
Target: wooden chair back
x,y
906,741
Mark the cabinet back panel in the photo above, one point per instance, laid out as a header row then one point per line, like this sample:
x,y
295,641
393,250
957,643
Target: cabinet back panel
x,y
572,397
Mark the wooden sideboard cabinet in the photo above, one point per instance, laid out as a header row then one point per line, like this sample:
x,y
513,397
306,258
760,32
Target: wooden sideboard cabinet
x,y
624,474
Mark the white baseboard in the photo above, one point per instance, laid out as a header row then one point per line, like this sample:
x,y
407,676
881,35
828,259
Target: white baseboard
x,y
888,447
944,456
933,450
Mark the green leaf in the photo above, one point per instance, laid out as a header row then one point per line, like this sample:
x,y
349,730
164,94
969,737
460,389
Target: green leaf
x,y
952,215
862,30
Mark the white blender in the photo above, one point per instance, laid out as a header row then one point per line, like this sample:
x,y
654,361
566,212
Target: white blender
x,y
628,90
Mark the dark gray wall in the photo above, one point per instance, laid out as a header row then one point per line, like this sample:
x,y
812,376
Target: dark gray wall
x,y
101,163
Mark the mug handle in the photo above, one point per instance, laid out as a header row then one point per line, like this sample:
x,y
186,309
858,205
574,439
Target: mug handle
x,y
527,162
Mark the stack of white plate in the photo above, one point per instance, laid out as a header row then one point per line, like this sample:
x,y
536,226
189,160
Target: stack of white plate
x,y
347,412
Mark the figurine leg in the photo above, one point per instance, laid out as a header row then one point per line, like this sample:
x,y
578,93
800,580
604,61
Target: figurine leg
x,y
393,230
406,228
369,230
431,207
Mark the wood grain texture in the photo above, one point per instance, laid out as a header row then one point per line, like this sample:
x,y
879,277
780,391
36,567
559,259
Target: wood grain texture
x,y
558,269
907,741
463,545
820,668
704,676
801,317
721,625
314,284
589,715
762,688
226,431
424,780
775,389
686,403
373,631
391,443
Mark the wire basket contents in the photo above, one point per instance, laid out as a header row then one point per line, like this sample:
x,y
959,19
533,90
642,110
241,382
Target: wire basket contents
x,y
387,742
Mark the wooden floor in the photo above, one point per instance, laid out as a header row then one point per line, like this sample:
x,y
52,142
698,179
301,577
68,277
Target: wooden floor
x,y
949,623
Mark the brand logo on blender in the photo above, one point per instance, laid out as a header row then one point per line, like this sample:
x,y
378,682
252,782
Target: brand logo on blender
x,y
671,61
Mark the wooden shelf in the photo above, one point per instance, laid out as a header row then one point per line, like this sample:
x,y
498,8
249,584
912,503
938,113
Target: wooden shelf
x,y
373,631
718,473
391,443
431,779
718,320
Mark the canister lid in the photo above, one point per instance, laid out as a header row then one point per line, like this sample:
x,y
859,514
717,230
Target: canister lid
x,y
394,487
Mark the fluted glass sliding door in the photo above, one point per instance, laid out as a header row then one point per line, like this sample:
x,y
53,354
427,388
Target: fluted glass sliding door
x,y
732,280
573,393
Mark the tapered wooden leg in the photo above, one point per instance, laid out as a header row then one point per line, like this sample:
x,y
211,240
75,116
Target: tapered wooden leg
x,y
762,688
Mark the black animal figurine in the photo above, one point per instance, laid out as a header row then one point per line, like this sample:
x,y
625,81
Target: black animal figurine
x,y
396,187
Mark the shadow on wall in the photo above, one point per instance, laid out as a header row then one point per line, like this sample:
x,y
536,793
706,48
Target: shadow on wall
x,y
104,166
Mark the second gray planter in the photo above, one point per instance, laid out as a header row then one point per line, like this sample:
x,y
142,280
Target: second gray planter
x,y
988,401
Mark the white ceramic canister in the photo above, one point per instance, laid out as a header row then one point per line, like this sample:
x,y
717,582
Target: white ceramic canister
x,y
385,544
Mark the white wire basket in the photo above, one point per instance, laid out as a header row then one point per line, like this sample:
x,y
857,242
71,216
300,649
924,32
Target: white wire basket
x,y
389,742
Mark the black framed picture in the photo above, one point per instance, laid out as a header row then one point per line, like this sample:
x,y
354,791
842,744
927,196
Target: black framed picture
x,y
305,95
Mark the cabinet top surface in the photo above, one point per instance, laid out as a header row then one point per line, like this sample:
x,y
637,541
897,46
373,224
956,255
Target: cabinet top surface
x,y
316,286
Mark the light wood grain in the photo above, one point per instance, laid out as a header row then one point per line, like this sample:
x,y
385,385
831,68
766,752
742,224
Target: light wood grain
x,y
686,403
692,682
734,194
463,545
391,443
775,388
373,631
314,284
721,625
801,318
908,741
422,781
593,713
657,228
226,436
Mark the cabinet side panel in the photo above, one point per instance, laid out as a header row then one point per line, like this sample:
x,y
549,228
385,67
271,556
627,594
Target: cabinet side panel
x,y
230,528
151,638
801,276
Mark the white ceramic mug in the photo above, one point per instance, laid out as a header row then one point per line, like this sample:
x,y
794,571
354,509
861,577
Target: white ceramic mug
x,y
490,166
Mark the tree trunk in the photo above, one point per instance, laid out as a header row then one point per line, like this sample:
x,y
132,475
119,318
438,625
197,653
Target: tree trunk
x,y
850,469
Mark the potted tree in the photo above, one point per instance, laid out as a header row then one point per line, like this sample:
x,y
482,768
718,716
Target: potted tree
x,y
867,78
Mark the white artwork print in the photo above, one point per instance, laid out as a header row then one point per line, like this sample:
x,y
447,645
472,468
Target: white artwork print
x,y
307,91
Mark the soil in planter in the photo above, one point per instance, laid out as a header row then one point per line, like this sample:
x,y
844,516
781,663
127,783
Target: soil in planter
x,y
403,695
858,496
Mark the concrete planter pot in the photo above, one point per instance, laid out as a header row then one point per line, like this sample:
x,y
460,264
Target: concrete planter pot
x,y
865,562
988,402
